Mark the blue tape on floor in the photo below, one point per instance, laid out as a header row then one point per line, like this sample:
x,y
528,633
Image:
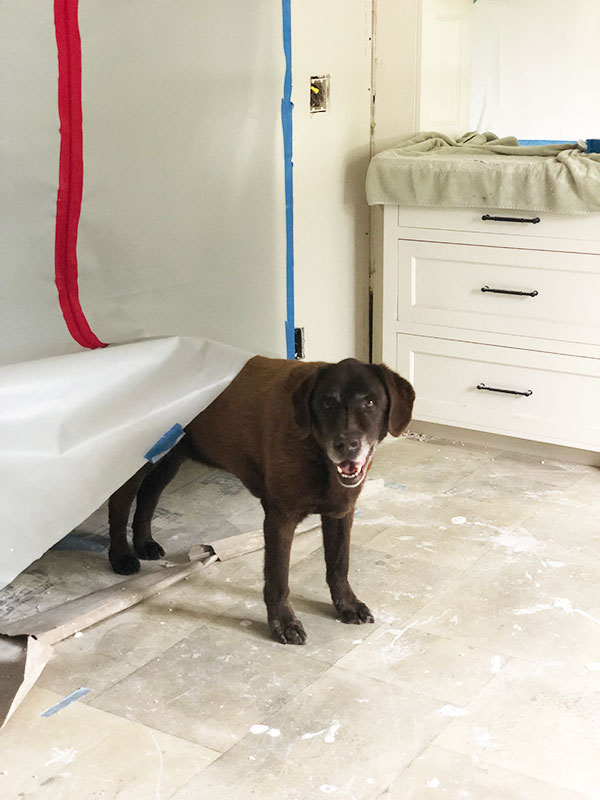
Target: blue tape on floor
x,y
286,124
66,701
165,443
90,542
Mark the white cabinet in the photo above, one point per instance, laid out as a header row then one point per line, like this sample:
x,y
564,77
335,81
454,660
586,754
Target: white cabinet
x,y
445,65
496,322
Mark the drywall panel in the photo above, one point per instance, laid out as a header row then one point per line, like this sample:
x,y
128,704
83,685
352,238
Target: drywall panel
x,y
182,228
331,155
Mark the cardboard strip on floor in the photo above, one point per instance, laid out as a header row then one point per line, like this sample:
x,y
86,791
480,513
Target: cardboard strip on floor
x,y
26,643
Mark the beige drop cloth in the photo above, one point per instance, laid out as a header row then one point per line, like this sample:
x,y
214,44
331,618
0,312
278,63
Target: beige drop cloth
x,y
483,171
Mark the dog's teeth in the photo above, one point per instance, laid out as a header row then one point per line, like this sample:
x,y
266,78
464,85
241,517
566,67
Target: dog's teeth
x,y
340,470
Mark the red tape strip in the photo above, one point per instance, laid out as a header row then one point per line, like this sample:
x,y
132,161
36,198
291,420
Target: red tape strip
x,y
70,174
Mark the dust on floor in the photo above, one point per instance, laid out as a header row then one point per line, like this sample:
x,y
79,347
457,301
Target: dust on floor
x,y
480,677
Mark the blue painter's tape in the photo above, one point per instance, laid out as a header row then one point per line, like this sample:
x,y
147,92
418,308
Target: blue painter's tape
x,y
90,542
286,124
66,701
165,443
537,142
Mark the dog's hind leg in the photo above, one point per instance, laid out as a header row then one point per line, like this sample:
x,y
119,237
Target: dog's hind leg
x,y
336,542
147,499
120,556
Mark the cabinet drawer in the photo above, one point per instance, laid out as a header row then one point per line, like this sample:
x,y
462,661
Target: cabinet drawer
x,y
554,231
559,404
440,285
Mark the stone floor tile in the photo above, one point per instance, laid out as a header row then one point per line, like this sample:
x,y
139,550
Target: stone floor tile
x,y
398,506
436,538
433,665
433,466
71,667
438,774
344,735
133,763
519,479
328,639
481,567
212,685
517,604
569,525
393,590
33,749
537,721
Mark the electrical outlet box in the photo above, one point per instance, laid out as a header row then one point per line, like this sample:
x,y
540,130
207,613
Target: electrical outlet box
x,y
299,343
319,94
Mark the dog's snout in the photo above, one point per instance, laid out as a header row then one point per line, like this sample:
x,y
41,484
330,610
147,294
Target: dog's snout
x,y
347,445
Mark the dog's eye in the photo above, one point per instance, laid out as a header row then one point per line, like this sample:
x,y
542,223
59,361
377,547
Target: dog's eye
x,y
369,402
328,403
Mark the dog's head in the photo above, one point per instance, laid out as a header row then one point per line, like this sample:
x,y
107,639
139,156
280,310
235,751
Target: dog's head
x,y
348,408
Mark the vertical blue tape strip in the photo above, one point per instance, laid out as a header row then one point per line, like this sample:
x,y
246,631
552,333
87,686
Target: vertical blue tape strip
x,y
286,124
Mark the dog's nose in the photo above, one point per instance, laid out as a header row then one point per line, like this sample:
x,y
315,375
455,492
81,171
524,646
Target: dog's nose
x,y
347,445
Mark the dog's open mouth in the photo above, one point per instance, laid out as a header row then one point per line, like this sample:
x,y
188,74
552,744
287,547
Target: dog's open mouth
x,y
351,473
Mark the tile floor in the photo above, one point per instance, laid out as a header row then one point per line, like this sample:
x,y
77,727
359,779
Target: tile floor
x,y
479,679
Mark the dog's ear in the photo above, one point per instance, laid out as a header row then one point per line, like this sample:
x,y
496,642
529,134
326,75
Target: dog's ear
x,y
301,399
401,396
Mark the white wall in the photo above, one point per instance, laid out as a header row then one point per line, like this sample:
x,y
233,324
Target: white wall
x,y
331,155
531,66
422,68
396,70
535,68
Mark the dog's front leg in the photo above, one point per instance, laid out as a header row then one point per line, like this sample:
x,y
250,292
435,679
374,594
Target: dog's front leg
x,y
336,542
279,532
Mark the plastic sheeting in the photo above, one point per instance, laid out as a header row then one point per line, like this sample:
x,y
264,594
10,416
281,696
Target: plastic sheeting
x,y
182,224
73,428
182,233
182,228
31,323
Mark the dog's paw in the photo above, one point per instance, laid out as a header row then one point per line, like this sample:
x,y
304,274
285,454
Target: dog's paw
x,y
291,632
357,615
149,550
125,564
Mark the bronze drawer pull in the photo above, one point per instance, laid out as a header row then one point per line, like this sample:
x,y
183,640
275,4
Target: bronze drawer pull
x,y
533,220
482,386
509,291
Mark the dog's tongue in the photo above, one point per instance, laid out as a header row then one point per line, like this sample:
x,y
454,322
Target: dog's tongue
x,y
351,467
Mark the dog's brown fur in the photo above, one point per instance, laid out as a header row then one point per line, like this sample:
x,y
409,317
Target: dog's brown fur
x,y
274,428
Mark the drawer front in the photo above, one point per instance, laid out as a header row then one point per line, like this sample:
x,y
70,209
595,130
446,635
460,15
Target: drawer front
x,y
478,288
558,400
484,220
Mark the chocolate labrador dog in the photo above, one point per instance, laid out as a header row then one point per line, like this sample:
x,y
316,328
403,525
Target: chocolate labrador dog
x,y
300,436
